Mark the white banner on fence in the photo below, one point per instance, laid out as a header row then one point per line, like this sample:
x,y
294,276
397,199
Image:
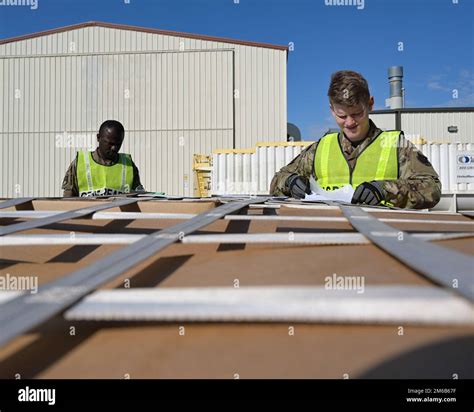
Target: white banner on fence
x,y
465,166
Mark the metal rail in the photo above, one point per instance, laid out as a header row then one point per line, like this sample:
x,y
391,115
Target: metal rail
x,y
28,311
370,304
15,202
70,214
290,238
447,267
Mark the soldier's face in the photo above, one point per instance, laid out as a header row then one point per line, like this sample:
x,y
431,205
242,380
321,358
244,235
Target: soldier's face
x,y
352,120
110,142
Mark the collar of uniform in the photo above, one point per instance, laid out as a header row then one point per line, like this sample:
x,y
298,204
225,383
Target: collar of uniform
x,y
99,160
373,132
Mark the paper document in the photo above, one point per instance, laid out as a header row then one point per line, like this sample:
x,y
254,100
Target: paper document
x,y
344,194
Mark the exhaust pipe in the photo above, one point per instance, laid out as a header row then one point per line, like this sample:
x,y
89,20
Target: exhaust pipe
x,y
395,77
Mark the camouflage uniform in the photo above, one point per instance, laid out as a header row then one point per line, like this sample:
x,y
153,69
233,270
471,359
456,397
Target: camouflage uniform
x,y
418,186
71,188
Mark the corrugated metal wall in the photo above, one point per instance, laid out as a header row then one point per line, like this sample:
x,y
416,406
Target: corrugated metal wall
x,y
145,91
182,96
430,126
251,171
434,126
384,121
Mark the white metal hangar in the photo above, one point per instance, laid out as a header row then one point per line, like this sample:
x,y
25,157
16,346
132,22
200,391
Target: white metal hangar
x,y
175,93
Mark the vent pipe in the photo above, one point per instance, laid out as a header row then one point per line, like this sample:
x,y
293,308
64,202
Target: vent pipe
x,y
395,77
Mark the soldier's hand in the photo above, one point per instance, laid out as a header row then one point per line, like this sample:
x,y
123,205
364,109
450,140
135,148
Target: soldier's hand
x,y
298,186
369,193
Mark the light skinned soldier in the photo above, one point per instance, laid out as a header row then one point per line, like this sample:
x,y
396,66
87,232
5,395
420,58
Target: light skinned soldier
x,y
383,167
105,171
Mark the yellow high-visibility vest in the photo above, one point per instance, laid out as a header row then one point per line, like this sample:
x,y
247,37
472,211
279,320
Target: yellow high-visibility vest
x,y
94,179
378,161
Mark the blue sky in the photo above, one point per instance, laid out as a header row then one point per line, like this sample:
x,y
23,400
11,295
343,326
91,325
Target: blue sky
x,y
437,36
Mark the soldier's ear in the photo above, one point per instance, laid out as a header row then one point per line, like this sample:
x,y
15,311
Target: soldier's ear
x,y
371,103
98,137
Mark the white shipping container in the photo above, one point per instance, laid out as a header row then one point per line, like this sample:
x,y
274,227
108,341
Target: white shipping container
x,y
269,158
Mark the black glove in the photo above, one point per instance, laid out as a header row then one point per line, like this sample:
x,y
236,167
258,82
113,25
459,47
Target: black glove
x,y
370,193
298,186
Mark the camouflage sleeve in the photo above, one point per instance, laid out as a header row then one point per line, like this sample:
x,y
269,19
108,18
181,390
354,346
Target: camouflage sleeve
x,y
70,187
136,185
419,186
302,165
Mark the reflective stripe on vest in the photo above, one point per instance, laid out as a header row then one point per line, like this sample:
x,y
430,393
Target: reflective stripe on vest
x,y
94,179
378,161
